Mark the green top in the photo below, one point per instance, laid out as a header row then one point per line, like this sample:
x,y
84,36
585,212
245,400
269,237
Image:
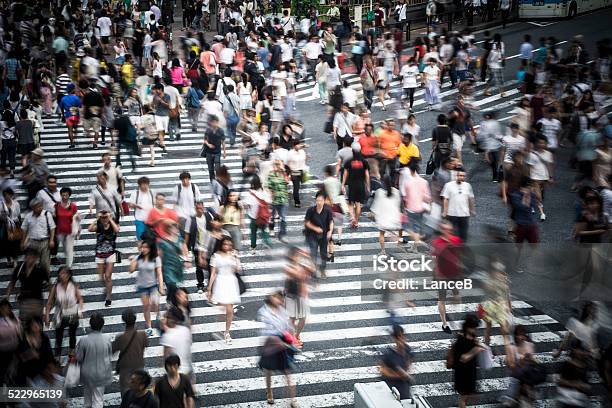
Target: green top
x,y
172,262
278,187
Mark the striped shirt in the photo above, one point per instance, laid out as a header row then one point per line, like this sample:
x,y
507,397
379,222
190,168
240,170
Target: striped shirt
x,y
61,83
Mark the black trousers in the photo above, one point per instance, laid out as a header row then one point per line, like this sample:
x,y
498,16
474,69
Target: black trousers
x,y
461,226
296,180
59,333
199,270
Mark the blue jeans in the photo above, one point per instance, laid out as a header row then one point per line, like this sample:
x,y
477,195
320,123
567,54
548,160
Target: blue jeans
x,y
369,97
318,249
281,210
232,122
415,222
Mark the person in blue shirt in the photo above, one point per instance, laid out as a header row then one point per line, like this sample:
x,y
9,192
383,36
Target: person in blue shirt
x,y
70,106
194,95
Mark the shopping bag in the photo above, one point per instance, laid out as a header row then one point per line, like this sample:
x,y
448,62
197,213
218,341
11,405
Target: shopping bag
x,y
315,91
485,358
73,375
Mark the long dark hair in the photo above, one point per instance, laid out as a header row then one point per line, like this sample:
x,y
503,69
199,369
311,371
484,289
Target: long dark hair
x,y
227,201
152,251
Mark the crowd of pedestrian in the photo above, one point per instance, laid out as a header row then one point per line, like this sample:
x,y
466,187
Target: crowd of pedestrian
x,y
112,74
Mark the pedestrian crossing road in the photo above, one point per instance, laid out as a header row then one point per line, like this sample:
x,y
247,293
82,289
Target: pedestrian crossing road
x,y
344,335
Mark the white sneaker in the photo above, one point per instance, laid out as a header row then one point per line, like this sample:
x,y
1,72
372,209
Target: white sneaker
x,y
252,251
542,217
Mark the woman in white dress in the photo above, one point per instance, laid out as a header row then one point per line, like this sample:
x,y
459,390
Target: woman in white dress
x,y
386,210
223,287
245,92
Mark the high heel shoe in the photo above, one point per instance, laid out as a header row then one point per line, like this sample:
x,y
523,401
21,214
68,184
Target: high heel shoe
x,y
330,258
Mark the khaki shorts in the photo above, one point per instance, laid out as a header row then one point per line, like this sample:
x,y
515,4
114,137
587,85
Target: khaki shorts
x,y
161,123
92,124
458,142
109,260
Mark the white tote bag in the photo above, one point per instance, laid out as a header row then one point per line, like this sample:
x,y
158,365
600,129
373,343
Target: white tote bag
x,y
73,375
315,91
485,358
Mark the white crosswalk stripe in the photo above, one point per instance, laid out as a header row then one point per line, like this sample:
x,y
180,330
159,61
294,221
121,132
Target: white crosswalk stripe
x,y
345,333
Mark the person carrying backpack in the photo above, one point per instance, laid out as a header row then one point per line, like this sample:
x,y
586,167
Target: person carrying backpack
x,y
257,202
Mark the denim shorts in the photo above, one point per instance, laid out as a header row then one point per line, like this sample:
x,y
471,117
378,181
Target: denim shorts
x,y
148,291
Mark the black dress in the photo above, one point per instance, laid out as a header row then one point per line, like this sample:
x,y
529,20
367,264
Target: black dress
x,y
355,180
465,373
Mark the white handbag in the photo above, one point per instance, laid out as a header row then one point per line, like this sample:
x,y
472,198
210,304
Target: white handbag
x,y
73,375
485,358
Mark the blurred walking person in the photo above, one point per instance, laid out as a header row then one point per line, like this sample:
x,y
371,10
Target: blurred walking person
x,y
65,297
297,276
131,345
276,353
387,213
93,353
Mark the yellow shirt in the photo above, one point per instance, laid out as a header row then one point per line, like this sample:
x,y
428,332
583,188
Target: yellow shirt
x,y
406,153
126,72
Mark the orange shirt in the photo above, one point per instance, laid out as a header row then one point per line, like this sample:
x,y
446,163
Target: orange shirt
x,y
368,145
156,216
390,141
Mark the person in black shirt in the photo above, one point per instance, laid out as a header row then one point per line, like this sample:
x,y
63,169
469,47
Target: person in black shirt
x,y
214,145
356,176
442,140
139,396
93,104
127,136
174,390
32,278
319,224
462,359
396,362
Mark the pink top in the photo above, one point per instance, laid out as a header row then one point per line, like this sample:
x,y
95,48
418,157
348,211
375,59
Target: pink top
x,y
176,75
415,192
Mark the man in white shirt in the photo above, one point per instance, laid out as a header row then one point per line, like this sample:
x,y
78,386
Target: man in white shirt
x,y
39,228
141,201
343,125
458,204
226,56
512,143
286,50
177,340
349,95
311,51
541,162
278,152
185,196
175,100
115,177
226,80
50,195
104,24
551,127
409,74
